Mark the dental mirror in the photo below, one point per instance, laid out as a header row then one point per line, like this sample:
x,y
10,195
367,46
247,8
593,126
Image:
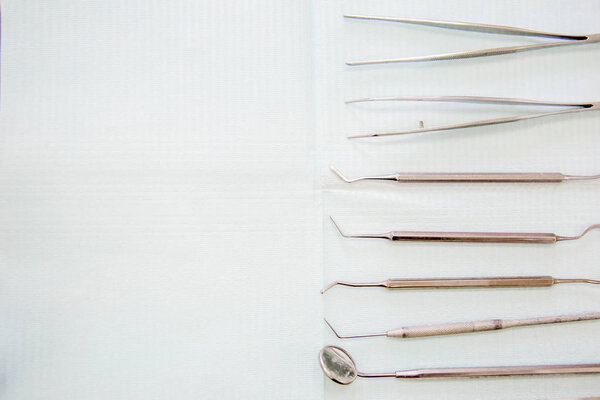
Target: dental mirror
x,y
339,366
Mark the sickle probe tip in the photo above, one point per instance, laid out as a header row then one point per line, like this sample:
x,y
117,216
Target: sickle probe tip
x,y
333,330
337,227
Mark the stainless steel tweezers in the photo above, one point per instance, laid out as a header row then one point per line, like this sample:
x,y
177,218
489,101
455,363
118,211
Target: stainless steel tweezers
x,y
565,40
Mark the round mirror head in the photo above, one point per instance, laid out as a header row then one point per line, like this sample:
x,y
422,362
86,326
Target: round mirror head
x,y
337,364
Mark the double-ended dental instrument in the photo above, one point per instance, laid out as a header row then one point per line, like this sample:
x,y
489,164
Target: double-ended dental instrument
x,y
340,367
565,109
564,40
453,328
485,237
449,283
470,177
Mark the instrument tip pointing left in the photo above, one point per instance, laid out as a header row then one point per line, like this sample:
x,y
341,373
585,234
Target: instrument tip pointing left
x,y
339,174
337,227
328,287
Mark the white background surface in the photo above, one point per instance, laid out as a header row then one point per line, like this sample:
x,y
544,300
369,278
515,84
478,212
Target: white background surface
x,y
150,154
160,227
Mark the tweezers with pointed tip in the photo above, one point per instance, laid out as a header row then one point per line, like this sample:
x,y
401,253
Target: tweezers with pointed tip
x,y
565,40
521,177
486,237
570,108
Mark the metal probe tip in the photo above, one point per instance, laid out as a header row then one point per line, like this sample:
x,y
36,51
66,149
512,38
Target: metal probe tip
x,y
577,280
362,178
590,228
581,177
350,284
340,175
331,327
351,336
337,227
328,287
363,236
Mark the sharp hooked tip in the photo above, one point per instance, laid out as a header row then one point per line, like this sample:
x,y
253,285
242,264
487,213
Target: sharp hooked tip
x,y
592,281
590,228
328,287
337,227
352,336
340,175
333,330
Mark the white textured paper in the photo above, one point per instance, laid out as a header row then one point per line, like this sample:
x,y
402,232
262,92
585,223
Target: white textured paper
x,y
157,208
162,234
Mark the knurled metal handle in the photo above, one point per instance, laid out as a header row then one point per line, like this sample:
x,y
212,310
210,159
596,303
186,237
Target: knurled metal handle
x,y
485,325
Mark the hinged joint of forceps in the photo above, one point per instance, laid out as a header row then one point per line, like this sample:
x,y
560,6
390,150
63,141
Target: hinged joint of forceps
x,y
564,40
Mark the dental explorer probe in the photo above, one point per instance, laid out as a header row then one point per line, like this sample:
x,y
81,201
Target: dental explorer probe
x,y
453,328
486,237
446,283
488,177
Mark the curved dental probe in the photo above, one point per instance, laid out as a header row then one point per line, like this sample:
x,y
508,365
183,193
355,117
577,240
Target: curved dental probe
x,y
573,107
341,368
452,328
421,177
448,283
565,40
487,237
